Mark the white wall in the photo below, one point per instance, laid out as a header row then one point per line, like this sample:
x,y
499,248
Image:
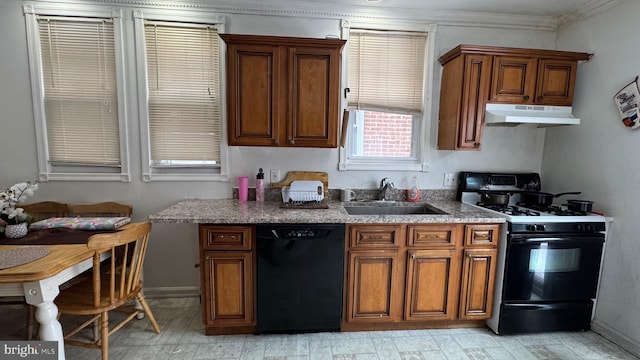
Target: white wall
x,y
173,250
598,158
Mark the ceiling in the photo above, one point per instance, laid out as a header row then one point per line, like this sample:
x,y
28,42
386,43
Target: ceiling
x,y
547,8
532,14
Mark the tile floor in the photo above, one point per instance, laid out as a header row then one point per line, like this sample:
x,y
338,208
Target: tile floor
x,y
182,338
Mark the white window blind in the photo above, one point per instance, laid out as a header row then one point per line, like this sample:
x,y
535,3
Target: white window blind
x,y
386,70
80,92
184,100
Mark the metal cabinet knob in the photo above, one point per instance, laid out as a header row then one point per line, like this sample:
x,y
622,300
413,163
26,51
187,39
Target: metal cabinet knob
x,y
526,97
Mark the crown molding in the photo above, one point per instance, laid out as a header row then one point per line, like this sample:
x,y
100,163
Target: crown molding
x,y
293,8
592,8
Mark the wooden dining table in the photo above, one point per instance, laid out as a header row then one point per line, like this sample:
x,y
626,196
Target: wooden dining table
x,y
39,280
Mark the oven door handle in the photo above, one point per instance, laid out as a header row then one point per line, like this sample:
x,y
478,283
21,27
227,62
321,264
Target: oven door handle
x,y
556,240
530,306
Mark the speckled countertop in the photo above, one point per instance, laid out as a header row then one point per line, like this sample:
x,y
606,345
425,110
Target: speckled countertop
x,y
232,211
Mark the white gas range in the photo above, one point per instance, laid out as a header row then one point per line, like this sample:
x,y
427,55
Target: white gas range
x,y
549,256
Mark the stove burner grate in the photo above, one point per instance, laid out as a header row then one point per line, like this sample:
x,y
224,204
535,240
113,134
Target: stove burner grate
x,y
553,209
510,209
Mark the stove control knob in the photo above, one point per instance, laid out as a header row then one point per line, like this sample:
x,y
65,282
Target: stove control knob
x,y
539,227
531,227
581,227
591,228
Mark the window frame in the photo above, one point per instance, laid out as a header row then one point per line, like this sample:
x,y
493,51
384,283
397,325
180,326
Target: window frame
x,y
421,124
46,170
152,172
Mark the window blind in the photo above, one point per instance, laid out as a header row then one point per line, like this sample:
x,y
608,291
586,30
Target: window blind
x,y
80,94
184,100
386,70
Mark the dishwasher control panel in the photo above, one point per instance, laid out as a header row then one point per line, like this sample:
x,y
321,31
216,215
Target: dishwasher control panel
x,y
299,233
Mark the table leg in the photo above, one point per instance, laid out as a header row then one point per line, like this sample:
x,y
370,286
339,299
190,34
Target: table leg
x,y
41,294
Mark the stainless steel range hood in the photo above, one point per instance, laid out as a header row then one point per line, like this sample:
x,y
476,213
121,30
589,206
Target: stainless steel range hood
x,y
512,115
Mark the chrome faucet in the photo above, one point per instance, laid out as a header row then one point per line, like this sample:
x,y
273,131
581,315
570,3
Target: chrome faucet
x,y
384,186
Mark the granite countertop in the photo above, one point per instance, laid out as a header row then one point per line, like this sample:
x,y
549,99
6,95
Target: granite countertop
x,y
232,211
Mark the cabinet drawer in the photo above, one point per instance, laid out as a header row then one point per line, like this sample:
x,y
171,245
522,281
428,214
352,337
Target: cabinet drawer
x,y
481,235
432,236
375,235
225,237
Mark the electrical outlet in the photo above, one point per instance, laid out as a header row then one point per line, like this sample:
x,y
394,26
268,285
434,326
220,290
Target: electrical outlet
x,y
274,175
449,179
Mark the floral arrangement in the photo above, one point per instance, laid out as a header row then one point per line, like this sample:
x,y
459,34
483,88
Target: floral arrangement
x,y
10,198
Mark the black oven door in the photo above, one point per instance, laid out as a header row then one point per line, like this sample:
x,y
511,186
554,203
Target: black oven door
x,y
552,267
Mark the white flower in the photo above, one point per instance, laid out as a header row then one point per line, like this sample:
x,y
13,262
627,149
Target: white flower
x,y
10,199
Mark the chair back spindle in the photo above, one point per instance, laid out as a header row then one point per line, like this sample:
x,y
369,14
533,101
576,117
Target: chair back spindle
x,y
115,283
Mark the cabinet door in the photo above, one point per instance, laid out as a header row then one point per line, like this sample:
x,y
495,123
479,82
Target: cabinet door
x,y
314,81
513,80
478,277
372,286
227,285
253,82
431,289
556,82
477,75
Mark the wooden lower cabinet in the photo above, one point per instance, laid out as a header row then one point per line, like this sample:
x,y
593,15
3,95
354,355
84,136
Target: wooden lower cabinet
x,y
419,276
227,279
228,285
478,272
431,288
372,286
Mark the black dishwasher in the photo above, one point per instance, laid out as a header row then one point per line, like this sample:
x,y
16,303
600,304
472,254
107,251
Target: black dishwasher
x,y
300,272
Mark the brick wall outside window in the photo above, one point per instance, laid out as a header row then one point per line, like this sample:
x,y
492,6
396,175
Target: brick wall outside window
x,y
387,135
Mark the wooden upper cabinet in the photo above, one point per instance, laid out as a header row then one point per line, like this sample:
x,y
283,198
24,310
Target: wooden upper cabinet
x,y
253,83
528,80
556,81
463,94
283,91
314,97
513,79
473,76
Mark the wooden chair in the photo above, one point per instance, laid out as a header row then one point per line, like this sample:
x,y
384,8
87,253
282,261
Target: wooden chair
x,y
112,286
108,208
38,211
45,209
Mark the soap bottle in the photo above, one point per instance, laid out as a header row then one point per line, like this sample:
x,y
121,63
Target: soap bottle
x,y
260,185
413,192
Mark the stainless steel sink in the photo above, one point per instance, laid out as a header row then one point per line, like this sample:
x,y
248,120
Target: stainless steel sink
x,y
393,209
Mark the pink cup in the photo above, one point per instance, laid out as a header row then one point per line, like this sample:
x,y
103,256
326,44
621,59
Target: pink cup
x,y
243,188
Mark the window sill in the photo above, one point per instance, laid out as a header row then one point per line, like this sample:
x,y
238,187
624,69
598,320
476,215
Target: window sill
x,y
184,177
122,177
382,165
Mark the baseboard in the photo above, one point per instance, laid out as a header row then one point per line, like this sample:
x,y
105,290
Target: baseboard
x,y
166,292
616,337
